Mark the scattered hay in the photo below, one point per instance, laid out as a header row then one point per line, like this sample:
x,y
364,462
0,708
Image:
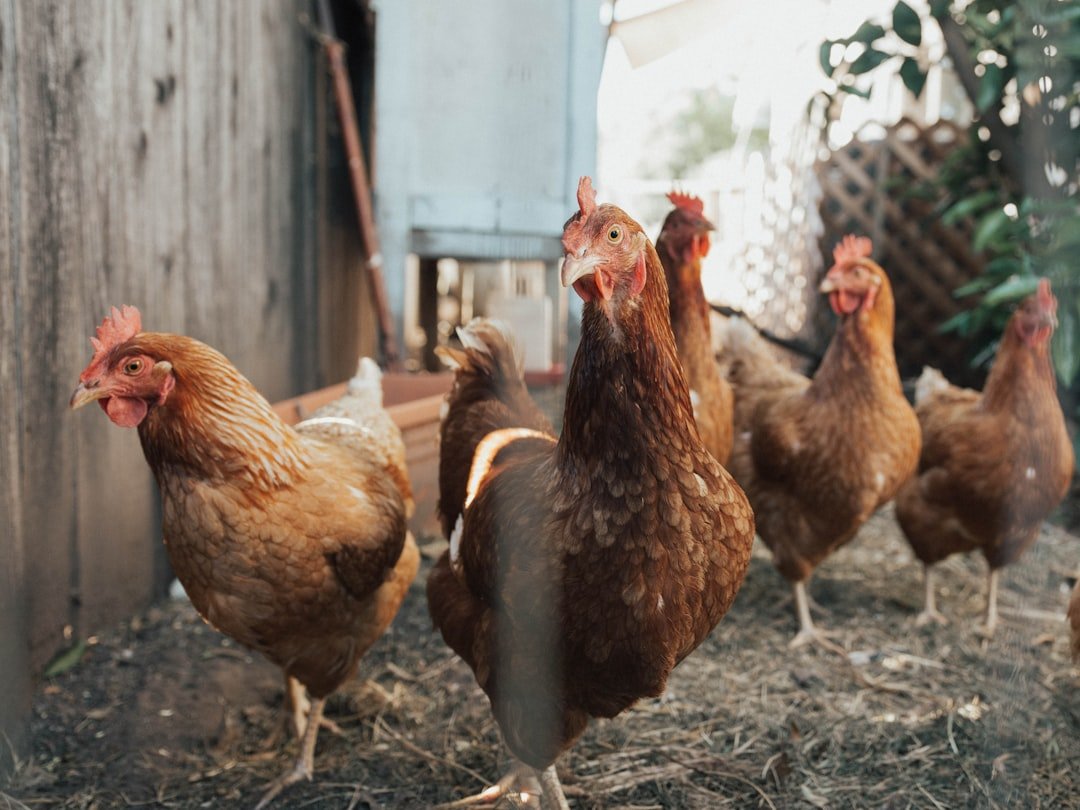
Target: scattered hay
x,y
165,712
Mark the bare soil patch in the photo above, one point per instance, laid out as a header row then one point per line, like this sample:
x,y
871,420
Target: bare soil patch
x,y
162,711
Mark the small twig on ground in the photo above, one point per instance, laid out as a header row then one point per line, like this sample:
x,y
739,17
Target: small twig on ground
x,y
952,739
427,754
362,795
10,802
728,775
934,801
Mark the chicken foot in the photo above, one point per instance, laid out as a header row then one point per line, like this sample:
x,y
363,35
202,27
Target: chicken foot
x,y
929,612
298,707
304,768
526,785
808,633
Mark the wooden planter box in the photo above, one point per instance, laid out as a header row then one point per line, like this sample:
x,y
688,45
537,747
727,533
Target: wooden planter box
x,y
414,402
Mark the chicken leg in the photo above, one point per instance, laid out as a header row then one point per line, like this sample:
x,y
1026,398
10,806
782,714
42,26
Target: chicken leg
x,y
988,628
929,611
553,797
808,633
298,709
304,768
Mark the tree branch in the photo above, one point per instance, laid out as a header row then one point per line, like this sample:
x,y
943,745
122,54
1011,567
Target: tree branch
x,y
964,65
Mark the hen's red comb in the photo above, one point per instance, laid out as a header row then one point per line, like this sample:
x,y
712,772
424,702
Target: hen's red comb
x,y
687,202
586,196
119,326
574,230
851,249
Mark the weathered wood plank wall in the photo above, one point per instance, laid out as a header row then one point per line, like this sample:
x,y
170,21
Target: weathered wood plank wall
x,y
167,155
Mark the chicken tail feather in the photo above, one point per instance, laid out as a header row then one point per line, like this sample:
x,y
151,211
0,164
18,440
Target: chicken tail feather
x,y
930,382
486,348
368,379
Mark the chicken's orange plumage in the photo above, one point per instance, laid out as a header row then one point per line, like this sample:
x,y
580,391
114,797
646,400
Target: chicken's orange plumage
x,y
994,464
818,457
682,244
583,569
291,541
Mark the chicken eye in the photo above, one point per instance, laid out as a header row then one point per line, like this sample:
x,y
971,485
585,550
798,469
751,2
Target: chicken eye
x,y
133,366
614,234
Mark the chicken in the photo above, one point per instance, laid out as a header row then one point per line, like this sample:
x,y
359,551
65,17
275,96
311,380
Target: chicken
x,y
584,568
818,457
682,244
994,464
291,541
489,394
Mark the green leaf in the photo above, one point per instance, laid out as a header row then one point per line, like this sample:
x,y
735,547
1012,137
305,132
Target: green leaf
x,y
939,8
824,53
990,87
906,24
1065,349
868,60
1067,13
976,285
988,228
968,206
1003,266
855,91
913,76
1011,290
65,660
1066,232
867,33
984,356
957,323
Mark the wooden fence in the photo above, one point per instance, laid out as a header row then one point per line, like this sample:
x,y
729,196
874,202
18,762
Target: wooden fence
x,y
180,156
875,186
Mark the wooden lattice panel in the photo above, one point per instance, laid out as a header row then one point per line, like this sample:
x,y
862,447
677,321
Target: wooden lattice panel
x,y
866,190
778,271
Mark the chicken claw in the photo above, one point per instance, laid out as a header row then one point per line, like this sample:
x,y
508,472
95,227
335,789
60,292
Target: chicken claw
x,y
819,638
929,612
522,785
808,633
930,616
304,768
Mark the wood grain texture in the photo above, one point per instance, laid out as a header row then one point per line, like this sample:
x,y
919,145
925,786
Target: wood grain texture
x,y
14,651
162,155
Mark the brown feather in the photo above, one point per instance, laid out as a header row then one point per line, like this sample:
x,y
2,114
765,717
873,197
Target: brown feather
x,y
993,465
293,543
690,313
818,457
592,566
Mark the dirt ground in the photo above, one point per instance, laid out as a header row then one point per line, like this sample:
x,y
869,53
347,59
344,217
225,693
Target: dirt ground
x,y
162,711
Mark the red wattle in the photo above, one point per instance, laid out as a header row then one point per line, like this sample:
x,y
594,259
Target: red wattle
x,y
125,411
844,302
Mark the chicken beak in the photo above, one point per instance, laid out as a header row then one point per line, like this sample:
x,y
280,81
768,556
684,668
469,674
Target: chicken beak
x,y
85,393
828,285
577,267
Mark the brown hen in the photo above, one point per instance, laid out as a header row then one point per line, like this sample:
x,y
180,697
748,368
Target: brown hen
x,y
682,244
584,568
994,464
291,541
817,457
